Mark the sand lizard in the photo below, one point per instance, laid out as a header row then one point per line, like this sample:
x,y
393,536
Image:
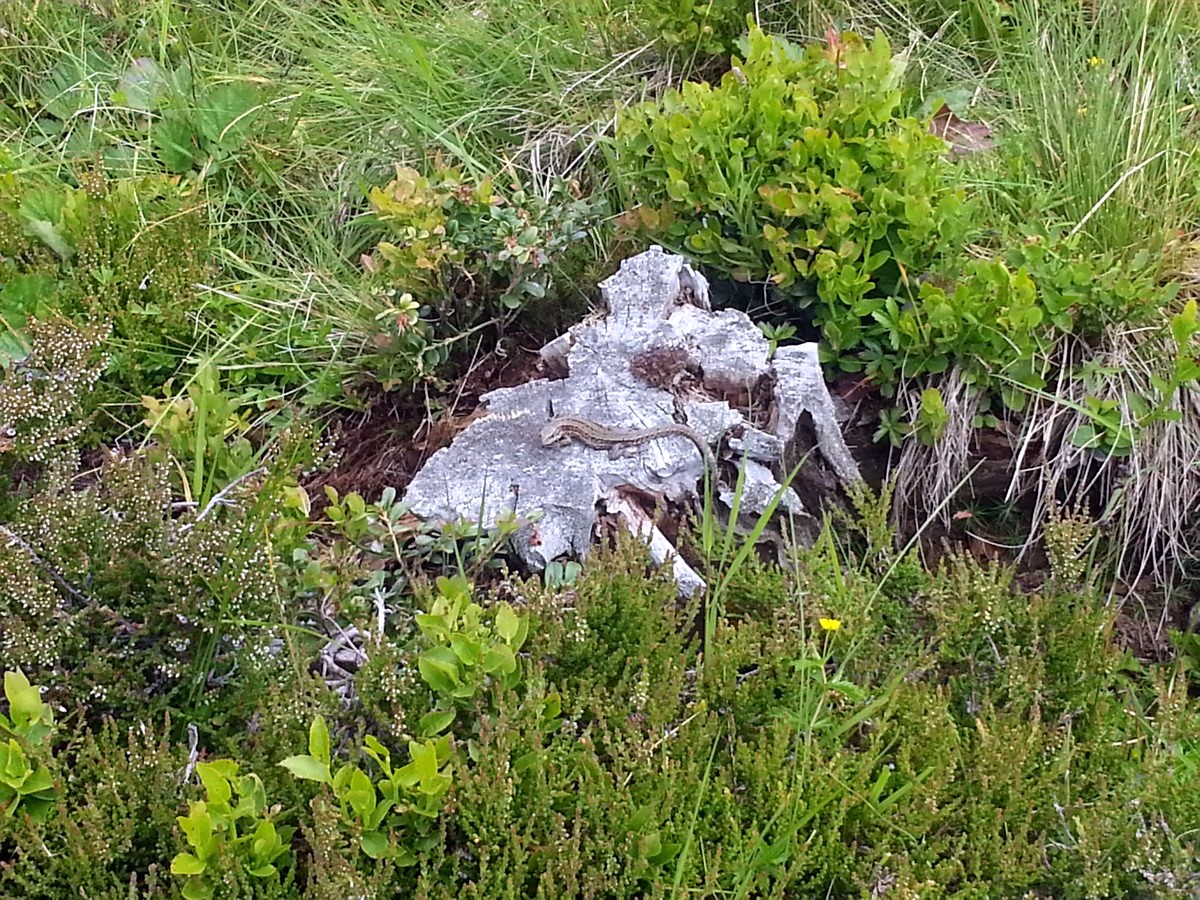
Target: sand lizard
x,y
562,430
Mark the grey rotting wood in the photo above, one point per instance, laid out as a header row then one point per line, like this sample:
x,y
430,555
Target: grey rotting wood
x,y
638,379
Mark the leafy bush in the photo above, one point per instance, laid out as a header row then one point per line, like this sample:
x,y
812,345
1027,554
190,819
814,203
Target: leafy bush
x,y
26,785
465,652
223,834
697,26
470,249
395,814
798,169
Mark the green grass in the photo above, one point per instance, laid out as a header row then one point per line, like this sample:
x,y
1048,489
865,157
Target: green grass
x,y
348,91
1099,109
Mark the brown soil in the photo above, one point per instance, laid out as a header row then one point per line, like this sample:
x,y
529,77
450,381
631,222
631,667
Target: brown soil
x,y
388,442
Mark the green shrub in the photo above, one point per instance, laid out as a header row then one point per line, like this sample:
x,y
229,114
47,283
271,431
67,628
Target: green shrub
x,y
697,26
621,621
469,250
110,829
228,839
115,596
797,168
394,814
26,785
1013,750
131,252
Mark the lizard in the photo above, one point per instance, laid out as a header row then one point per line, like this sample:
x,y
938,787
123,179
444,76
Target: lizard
x,y
561,430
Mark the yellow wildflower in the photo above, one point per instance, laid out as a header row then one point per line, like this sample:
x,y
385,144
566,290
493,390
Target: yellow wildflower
x,y
831,624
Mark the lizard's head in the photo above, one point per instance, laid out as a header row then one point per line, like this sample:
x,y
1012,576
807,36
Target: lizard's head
x,y
554,435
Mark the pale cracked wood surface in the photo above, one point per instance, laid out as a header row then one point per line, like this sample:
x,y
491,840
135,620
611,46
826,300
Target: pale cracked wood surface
x,y
634,370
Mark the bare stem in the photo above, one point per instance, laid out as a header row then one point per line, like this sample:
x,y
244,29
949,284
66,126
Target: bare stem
x,y
220,496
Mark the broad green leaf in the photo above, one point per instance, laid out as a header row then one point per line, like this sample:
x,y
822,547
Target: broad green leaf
x,y
341,781
433,788
361,796
438,672
197,890
318,740
465,648
650,845
518,640
13,766
375,844
423,765
508,624
197,825
174,139
499,659
187,864
424,758
443,749
1183,324
641,818
379,813
374,749
303,766
216,783
75,82
533,289
142,85
226,111
252,793
25,701
226,767
48,234
37,809
265,838
526,761
40,780
435,722
14,347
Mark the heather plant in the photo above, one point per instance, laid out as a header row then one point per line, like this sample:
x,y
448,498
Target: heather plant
x,y
802,756
111,830
130,251
117,592
194,591
45,393
848,723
